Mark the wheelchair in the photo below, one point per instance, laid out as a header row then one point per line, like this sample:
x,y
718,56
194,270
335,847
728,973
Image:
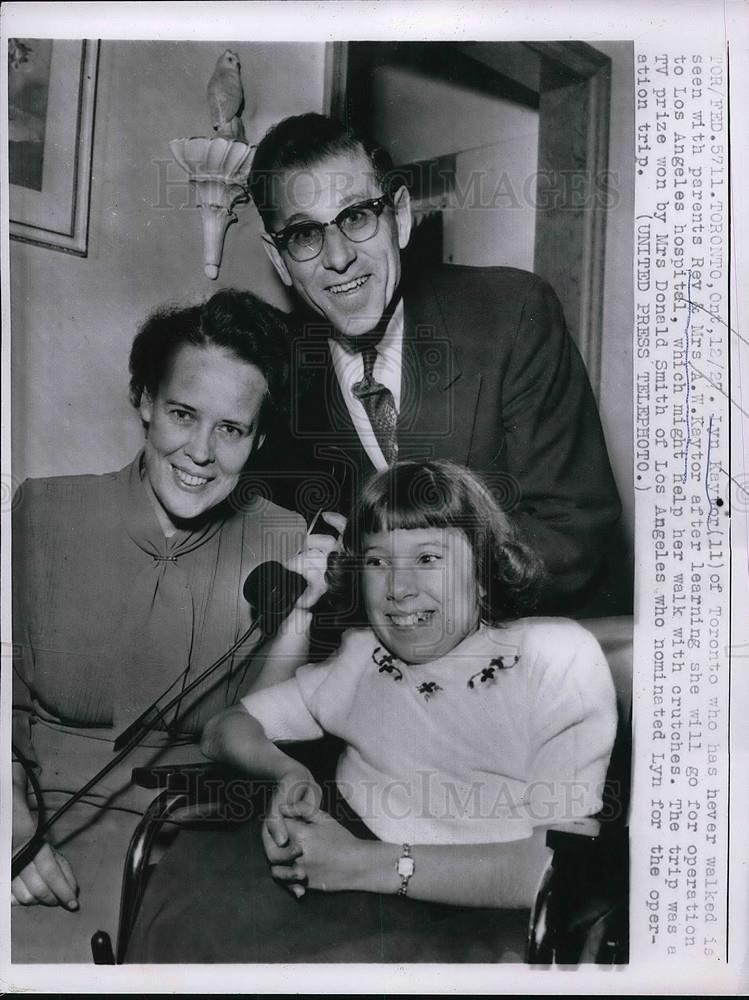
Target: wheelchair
x,y
581,910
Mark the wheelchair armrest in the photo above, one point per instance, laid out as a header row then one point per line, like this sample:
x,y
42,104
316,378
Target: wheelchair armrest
x,y
581,909
577,835
178,777
320,756
206,791
137,861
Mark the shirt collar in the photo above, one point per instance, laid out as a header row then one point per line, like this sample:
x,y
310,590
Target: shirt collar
x,y
348,364
142,525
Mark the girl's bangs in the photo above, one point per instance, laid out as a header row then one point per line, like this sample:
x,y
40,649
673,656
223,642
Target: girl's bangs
x,y
410,507
393,519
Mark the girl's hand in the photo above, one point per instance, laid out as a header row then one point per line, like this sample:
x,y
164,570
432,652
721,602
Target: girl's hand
x,y
331,856
311,561
48,879
297,795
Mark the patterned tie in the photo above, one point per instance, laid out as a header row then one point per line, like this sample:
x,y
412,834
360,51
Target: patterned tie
x,y
379,405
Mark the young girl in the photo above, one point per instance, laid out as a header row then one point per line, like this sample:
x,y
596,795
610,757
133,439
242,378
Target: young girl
x,y
468,731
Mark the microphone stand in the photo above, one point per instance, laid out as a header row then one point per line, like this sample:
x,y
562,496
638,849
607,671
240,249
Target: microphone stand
x,y
272,590
125,742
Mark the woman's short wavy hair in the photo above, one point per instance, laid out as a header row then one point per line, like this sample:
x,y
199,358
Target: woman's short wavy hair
x,y
442,494
253,330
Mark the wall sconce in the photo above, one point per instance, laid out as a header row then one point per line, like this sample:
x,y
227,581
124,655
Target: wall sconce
x,y
219,166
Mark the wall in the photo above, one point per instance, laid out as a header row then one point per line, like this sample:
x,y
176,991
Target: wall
x,y
73,319
496,224
418,117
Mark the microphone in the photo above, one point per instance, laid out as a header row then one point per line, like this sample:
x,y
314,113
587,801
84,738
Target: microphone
x,y
272,590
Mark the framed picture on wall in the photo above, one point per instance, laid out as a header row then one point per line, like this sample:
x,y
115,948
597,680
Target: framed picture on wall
x,y
51,95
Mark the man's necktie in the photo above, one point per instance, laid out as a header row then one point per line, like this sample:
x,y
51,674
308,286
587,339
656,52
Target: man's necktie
x,y
379,405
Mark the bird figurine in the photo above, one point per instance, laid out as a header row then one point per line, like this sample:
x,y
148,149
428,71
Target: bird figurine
x,y
226,97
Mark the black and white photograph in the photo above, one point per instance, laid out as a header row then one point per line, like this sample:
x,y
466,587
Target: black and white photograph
x,y
370,503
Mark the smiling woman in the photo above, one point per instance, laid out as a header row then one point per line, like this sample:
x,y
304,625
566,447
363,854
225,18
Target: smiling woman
x,y
203,387
202,426
130,582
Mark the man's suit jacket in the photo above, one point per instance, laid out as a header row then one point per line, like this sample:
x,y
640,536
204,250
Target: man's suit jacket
x,y
492,380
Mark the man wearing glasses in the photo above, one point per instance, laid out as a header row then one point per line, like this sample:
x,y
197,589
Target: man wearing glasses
x,y
392,359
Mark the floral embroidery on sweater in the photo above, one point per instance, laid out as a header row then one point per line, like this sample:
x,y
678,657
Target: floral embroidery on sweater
x,y
386,665
488,673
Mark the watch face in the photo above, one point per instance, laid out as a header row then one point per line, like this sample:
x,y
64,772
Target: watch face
x,y
405,867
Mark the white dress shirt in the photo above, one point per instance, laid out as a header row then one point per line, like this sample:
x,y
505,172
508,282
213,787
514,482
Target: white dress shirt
x,y
349,369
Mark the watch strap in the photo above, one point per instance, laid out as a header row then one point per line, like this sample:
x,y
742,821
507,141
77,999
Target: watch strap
x,y
405,867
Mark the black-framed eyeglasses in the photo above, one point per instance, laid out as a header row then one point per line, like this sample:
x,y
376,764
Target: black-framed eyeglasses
x,y
358,223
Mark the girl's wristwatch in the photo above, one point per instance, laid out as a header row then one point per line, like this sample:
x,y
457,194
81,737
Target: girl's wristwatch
x,y
405,867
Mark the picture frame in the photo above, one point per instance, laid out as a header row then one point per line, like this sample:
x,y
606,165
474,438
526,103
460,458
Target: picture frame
x,y
51,126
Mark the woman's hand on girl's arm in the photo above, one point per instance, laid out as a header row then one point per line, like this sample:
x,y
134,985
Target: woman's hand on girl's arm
x,y
490,875
47,879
